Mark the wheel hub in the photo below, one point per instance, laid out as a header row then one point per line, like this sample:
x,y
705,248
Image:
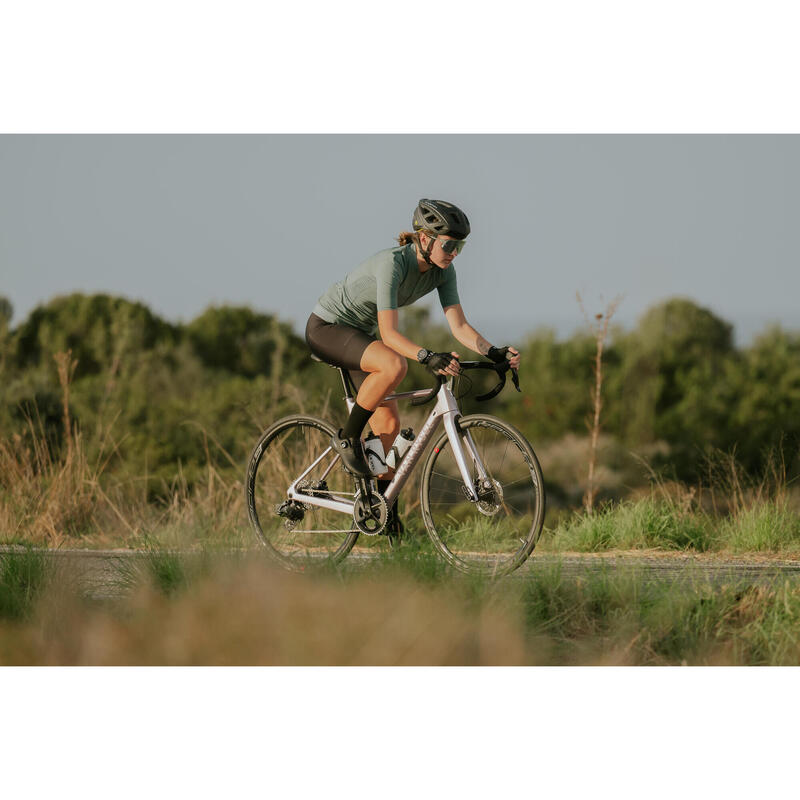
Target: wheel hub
x,y
490,496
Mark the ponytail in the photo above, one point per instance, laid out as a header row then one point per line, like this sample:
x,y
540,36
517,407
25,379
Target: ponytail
x,y
406,237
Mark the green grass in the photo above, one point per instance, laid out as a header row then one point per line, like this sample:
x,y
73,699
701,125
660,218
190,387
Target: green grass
x,y
644,524
614,616
212,604
22,576
651,523
766,527
405,607
617,615
167,569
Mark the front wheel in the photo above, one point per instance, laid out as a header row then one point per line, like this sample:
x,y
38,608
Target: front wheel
x,y
299,535
494,535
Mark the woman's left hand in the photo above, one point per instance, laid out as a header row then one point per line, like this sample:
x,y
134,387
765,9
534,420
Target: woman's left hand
x,y
507,353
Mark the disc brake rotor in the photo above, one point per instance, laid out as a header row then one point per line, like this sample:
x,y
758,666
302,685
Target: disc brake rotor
x,y
490,498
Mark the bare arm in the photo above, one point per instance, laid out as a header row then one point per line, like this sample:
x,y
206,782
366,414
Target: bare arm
x,y
391,337
464,332
468,336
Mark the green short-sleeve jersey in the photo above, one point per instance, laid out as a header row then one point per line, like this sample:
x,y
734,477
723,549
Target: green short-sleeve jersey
x,y
389,279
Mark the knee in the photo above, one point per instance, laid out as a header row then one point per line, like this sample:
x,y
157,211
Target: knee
x,y
397,369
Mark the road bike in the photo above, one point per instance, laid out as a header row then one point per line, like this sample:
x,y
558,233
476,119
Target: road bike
x,y
481,491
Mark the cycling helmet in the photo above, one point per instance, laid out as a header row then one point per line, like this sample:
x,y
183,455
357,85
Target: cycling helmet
x,y
441,218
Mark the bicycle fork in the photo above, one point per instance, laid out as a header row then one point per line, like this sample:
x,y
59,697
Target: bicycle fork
x,y
456,435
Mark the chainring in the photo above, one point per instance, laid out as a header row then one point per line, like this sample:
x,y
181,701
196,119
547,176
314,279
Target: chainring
x,y
370,518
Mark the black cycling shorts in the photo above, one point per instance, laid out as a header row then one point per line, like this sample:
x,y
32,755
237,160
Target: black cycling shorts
x,y
340,345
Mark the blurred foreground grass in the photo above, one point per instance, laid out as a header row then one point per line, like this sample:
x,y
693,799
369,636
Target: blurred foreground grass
x,y
403,608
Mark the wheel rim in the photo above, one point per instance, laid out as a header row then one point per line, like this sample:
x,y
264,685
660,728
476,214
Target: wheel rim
x,y
498,533
300,535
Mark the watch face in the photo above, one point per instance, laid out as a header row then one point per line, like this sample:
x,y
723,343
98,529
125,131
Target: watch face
x,y
422,355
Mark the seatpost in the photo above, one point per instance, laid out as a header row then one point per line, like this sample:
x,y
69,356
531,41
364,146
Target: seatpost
x,y
345,382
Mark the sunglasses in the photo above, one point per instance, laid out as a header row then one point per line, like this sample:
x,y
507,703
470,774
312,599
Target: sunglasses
x,y
452,245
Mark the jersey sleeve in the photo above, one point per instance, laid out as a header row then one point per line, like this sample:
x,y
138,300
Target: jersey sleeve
x,y
448,288
387,278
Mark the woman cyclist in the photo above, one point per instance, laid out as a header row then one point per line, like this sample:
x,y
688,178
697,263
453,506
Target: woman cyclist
x,y
341,330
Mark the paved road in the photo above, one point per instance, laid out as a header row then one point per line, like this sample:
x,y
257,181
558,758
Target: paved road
x,y
672,568
105,573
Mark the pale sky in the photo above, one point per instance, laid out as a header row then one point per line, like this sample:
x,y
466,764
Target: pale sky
x,y
184,221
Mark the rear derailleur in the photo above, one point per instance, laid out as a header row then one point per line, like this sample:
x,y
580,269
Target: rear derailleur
x,y
292,513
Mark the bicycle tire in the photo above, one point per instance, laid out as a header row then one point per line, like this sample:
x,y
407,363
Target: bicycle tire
x,y
495,536
283,452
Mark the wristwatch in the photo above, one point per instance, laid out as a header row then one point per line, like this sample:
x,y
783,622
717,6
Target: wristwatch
x,y
423,355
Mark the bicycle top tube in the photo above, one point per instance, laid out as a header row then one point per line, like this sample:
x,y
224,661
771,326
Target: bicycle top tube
x,y
423,396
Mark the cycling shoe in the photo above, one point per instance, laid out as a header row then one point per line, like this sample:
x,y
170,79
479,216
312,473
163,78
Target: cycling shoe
x,y
351,452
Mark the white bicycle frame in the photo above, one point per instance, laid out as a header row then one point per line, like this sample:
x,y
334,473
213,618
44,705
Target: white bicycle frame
x,y
446,410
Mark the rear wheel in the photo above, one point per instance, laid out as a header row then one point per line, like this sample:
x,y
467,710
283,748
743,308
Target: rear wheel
x,y
299,535
496,534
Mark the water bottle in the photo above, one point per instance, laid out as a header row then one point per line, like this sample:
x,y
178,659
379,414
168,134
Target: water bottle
x,y
373,452
399,447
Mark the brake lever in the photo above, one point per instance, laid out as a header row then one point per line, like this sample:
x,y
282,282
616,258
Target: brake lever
x,y
515,379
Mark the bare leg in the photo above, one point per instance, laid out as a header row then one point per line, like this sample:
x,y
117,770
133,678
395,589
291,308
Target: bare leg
x,y
385,422
386,370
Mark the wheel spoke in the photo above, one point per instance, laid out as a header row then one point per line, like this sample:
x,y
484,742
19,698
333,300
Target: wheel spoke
x,y
495,534
298,534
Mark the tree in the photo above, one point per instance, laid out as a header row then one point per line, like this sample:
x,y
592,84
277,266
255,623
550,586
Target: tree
x,y
672,385
99,329
765,413
6,314
244,342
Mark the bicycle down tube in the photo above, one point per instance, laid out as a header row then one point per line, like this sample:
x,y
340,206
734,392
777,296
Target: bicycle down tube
x,y
446,410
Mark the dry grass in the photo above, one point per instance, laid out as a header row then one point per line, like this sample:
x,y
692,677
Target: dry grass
x,y
52,494
45,499
246,613
49,498
252,614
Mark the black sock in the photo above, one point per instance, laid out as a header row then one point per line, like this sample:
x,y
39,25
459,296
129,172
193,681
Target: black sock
x,y
356,422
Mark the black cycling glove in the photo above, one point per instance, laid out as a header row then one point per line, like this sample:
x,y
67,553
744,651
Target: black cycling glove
x,y
497,354
436,361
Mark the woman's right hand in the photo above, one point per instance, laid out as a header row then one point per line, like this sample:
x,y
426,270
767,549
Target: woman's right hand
x,y
443,363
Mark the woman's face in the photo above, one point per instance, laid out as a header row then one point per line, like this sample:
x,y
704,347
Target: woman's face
x,y
438,256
